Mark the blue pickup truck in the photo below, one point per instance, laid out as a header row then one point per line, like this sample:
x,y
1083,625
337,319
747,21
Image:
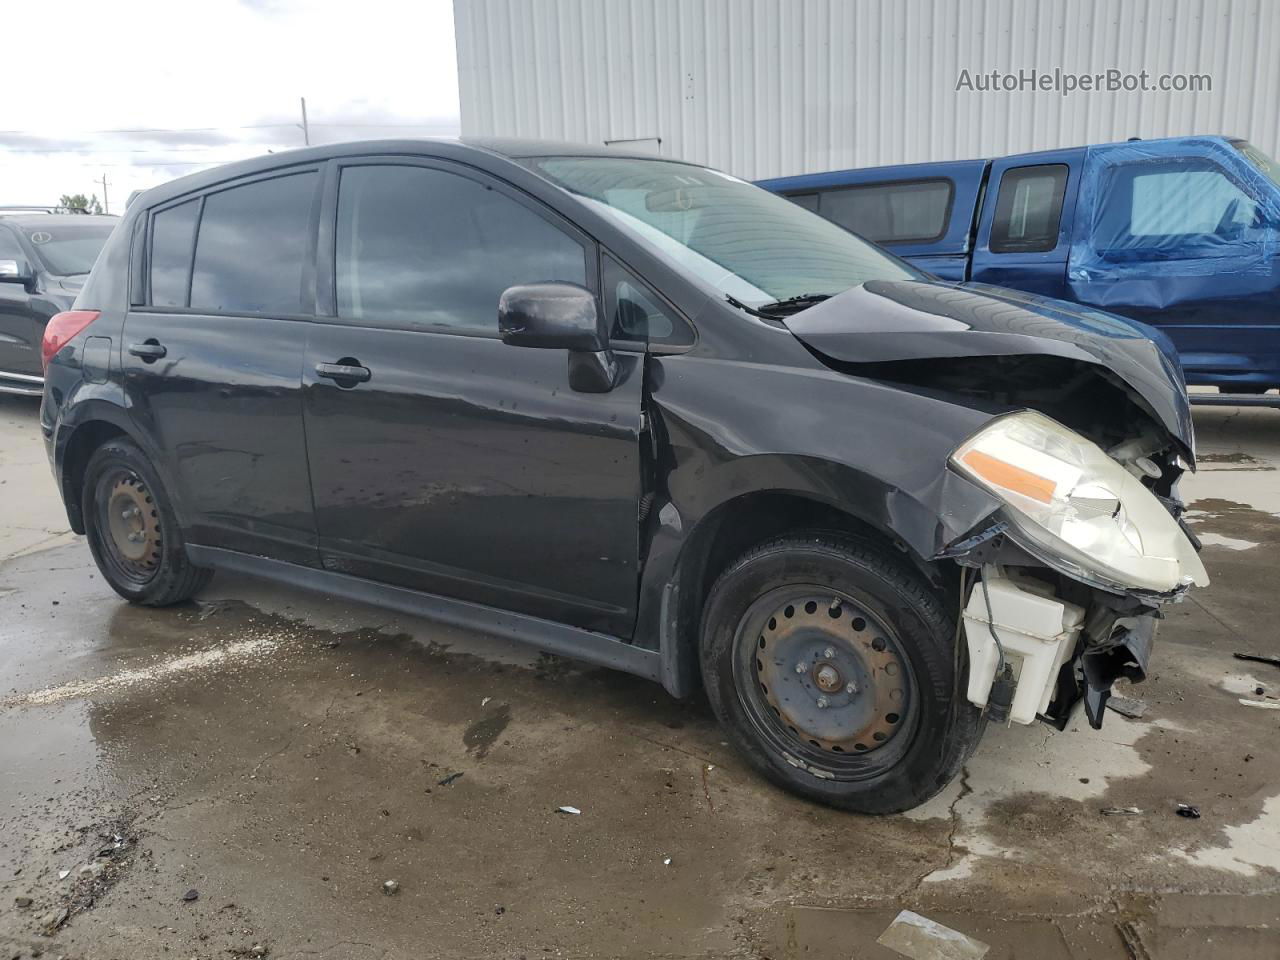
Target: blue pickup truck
x,y
1180,233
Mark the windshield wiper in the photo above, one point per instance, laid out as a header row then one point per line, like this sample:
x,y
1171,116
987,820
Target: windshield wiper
x,y
779,309
794,304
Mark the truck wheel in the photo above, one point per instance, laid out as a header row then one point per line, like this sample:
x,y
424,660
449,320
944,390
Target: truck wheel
x,y
132,530
833,666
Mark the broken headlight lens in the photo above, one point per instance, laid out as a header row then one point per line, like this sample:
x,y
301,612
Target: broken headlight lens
x,y
1077,505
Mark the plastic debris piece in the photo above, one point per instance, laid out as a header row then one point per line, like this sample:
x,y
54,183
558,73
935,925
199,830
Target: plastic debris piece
x,y
920,938
450,779
573,810
63,874
1129,707
1188,811
485,701
390,888
666,861
1120,811
1258,658
191,896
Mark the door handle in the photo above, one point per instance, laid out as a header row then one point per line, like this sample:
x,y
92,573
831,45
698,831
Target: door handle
x,y
350,371
150,350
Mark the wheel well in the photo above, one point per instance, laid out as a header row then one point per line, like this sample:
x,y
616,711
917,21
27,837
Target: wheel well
x,y
87,438
734,527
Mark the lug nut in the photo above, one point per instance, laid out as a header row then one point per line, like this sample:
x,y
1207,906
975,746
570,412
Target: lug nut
x,y
829,652
850,687
801,667
822,703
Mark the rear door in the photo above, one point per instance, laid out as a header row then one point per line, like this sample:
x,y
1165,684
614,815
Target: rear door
x,y
442,459
212,359
1024,230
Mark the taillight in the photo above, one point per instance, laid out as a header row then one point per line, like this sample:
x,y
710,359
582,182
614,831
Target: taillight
x,y
60,329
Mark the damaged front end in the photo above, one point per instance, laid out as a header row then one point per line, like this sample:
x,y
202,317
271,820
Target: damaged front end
x,y
1062,585
1071,573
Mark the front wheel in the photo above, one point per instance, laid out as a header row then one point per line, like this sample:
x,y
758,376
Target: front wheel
x,y
833,666
132,529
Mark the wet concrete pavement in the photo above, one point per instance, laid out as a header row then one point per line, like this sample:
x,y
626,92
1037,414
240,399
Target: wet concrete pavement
x,y
283,756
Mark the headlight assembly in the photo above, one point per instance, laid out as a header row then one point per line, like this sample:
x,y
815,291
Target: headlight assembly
x,y
1077,505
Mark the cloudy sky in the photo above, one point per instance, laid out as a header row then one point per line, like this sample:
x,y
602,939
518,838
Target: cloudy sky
x,y
147,90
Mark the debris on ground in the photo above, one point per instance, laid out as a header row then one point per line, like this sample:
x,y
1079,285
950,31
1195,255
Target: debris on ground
x,y
1188,811
22,902
63,874
920,938
1120,811
450,779
191,896
666,861
1130,707
52,921
1263,704
390,887
573,810
1258,658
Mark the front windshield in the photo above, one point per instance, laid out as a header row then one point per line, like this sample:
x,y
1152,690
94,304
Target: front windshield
x,y
68,250
746,242
1260,160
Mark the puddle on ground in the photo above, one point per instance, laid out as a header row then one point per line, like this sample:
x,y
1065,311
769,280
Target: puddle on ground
x,y
481,735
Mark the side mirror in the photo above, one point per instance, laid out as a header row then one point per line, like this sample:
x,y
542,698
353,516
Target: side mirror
x,y
551,315
16,271
561,316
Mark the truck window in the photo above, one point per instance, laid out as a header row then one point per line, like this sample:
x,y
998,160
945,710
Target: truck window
x,y
905,211
807,200
1029,209
1192,199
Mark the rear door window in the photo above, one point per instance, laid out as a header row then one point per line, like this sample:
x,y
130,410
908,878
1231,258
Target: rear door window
x,y
424,248
913,211
173,234
1029,209
251,247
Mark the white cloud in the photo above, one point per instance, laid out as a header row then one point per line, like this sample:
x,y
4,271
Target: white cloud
x,y
209,82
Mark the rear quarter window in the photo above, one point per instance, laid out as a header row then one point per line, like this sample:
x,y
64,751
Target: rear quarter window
x,y
1029,209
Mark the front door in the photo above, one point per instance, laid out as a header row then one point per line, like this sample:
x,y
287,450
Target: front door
x,y
212,362
1185,235
441,458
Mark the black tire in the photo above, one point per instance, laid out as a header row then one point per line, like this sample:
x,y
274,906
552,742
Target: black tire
x,y
153,570
882,637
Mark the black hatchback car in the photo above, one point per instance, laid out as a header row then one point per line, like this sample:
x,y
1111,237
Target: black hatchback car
x,y
638,412
44,259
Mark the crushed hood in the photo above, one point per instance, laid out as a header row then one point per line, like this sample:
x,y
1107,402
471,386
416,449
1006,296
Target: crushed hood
x,y
884,321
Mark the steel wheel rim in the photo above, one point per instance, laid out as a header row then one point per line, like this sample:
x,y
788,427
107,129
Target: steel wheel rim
x,y
793,671
129,526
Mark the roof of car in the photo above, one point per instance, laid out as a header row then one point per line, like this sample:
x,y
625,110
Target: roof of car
x,y
45,219
443,147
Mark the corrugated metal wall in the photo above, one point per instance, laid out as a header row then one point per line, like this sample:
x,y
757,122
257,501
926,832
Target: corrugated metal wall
x,y
771,87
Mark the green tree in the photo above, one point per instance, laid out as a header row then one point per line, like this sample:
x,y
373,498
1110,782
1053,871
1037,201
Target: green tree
x,y
78,201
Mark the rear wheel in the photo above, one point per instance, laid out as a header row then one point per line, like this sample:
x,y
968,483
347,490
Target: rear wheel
x,y
833,666
132,530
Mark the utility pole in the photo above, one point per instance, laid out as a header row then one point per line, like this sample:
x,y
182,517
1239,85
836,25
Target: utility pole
x,y
306,131
106,204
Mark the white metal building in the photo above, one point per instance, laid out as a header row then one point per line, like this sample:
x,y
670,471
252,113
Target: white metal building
x,y
772,87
